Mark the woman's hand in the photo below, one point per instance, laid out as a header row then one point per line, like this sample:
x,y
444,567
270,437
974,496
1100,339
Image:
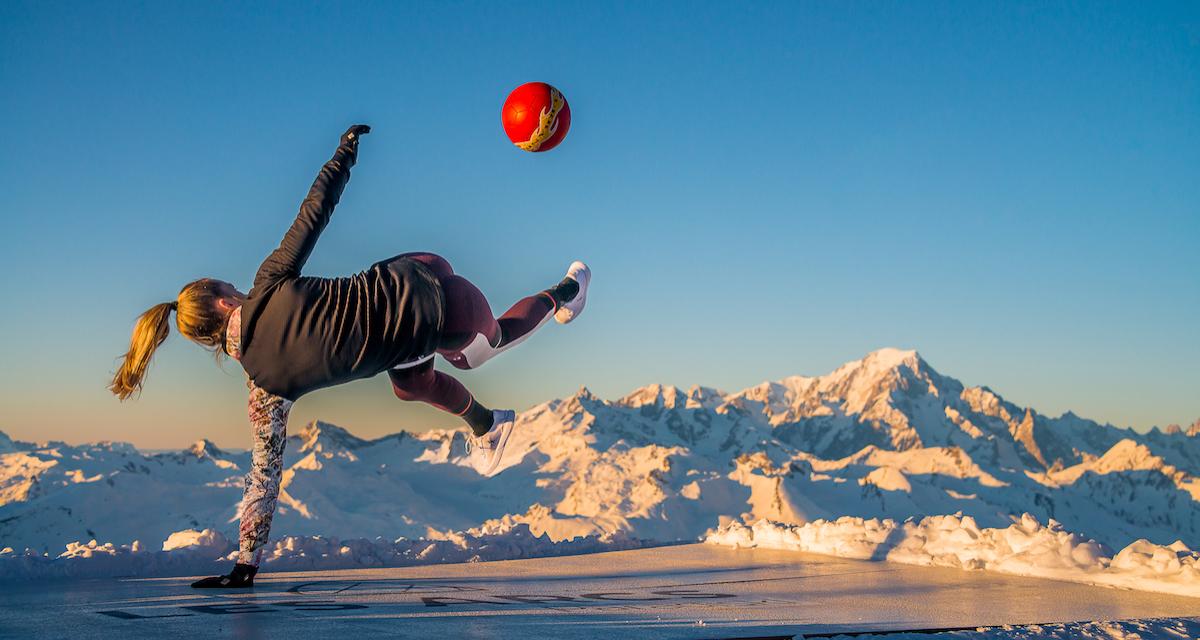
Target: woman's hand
x,y
354,132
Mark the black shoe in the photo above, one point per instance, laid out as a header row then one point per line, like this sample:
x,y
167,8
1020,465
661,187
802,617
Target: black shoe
x,y
242,577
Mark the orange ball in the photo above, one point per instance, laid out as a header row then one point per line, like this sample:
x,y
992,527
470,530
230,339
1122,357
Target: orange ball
x,y
536,116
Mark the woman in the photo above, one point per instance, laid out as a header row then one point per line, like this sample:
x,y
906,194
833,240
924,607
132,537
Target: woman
x,y
294,334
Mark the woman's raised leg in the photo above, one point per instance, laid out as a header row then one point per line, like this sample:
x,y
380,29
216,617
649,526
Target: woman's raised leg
x,y
471,335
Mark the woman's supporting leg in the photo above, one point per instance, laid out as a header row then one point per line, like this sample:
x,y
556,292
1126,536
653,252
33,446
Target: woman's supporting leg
x,y
425,384
268,419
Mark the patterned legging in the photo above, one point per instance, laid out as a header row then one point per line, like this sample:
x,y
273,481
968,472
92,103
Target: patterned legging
x,y
268,420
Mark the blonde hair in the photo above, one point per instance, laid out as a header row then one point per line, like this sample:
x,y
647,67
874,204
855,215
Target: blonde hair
x,y
198,318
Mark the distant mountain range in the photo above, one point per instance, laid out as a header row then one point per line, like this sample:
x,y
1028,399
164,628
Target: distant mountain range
x,y
885,436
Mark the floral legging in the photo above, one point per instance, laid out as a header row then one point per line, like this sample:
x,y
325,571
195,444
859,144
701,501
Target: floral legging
x,y
268,420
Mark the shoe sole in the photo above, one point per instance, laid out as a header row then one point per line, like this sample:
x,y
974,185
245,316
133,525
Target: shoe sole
x,y
583,287
512,424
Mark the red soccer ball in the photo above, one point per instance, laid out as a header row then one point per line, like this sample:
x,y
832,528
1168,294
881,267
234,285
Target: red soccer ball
x,y
536,116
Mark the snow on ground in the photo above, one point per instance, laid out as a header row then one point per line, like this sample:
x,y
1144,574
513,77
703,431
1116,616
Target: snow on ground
x,y
1163,629
1026,548
209,552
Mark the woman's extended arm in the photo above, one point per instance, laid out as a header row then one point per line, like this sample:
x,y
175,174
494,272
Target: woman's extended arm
x,y
298,243
268,418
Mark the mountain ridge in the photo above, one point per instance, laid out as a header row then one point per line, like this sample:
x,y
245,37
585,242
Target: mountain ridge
x,y
883,436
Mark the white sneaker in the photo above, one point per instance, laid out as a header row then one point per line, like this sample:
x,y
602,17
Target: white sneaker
x,y
579,272
485,451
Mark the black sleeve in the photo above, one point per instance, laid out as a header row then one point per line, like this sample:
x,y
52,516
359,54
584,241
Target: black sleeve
x,y
298,242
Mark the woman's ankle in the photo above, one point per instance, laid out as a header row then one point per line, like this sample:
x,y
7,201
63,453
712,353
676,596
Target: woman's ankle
x,y
564,291
479,418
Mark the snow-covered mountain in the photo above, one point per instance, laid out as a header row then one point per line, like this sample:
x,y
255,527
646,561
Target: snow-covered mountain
x,y
885,436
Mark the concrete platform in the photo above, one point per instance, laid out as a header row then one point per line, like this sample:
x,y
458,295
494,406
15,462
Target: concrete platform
x,y
690,591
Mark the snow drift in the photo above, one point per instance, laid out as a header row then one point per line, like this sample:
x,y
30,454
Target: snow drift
x,y
194,552
1026,548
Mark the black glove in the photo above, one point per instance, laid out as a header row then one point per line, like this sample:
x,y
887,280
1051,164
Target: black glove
x,y
241,577
353,133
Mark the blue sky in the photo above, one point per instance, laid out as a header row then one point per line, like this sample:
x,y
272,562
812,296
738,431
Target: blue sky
x,y
762,190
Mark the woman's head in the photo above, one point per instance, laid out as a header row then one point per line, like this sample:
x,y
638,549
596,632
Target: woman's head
x,y
201,311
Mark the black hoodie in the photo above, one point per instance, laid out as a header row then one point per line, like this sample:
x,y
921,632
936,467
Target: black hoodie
x,y
302,333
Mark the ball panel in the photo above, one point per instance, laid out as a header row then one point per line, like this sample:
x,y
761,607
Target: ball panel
x,y
564,125
521,109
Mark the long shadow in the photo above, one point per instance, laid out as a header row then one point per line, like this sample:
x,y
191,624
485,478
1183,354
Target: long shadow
x,y
366,582
893,538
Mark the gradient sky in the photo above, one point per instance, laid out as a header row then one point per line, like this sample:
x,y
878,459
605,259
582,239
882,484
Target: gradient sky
x,y
762,190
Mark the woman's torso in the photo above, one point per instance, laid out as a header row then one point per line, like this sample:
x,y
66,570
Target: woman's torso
x,y
306,333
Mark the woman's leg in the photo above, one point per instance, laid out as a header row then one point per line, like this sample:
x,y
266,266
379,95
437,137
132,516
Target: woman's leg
x,y
423,383
268,419
471,335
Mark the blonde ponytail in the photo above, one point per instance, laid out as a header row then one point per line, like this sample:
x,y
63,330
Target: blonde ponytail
x,y
148,333
198,317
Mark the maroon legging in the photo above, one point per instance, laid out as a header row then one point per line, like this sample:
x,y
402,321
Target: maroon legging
x,y
467,315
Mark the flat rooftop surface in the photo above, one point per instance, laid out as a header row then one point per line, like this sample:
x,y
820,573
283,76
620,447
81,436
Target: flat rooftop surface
x,y
689,591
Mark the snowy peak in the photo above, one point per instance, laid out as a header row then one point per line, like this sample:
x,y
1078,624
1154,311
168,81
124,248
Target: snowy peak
x,y
864,384
1128,455
878,367
660,396
6,443
984,401
1174,430
655,395
583,394
1131,464
705,397
1171,430
893,399
204,448
883,361
1024,435
890,398
855,385
322,437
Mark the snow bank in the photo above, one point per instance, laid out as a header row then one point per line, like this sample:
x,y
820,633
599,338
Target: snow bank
x,y
196,541
1153,629
93,559
1026,548
193,552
